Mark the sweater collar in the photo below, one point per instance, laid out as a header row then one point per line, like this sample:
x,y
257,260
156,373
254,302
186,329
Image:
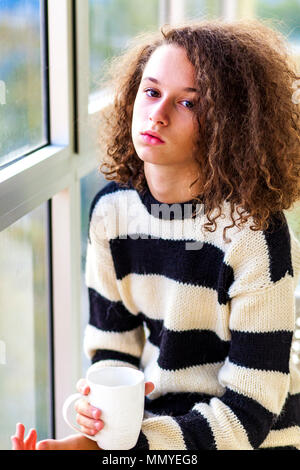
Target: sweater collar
x,y
168,211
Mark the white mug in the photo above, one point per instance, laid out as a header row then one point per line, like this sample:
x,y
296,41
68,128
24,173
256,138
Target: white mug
x,y
119,392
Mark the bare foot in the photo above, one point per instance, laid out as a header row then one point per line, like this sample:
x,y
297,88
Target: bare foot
x,y
73,442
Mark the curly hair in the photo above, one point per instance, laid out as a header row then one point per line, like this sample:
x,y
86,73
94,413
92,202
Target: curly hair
x,y
248,125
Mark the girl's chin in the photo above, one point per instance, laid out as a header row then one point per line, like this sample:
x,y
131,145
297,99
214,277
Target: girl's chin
x,y
152,157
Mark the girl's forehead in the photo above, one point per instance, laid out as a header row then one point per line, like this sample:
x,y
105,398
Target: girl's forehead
x,y
170,63
168,53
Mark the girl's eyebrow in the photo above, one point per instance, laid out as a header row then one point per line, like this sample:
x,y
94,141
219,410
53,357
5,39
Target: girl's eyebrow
x,y
193,90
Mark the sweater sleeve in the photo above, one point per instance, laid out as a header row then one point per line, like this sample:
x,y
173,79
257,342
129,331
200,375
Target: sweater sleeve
x,y
255,374
114,336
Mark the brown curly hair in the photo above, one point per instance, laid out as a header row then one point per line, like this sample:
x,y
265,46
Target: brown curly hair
x,y
248,125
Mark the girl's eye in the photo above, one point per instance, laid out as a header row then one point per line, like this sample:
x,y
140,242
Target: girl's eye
x,y
189,104
150,90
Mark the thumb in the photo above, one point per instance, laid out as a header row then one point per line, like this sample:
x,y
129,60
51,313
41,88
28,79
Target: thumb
x,y
149,387
83,387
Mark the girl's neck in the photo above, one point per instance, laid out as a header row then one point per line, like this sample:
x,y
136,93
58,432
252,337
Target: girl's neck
x,y
171,185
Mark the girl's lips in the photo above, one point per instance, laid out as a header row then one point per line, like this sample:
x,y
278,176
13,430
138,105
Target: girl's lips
x,y
150,139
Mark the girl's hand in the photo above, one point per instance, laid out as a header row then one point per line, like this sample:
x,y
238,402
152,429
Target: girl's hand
x,y
87,415
73,442
18,442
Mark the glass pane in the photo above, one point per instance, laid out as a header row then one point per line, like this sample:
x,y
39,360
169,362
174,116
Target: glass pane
x,y
89,186
288,13
22,127
293,217
24,356
112,23
198,9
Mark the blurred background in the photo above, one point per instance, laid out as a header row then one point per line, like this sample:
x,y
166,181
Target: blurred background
x,y
33,383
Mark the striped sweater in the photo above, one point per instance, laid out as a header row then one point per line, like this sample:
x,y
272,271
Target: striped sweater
x,y
209,323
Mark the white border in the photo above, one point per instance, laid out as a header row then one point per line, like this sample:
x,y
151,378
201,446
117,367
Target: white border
x,y
55,172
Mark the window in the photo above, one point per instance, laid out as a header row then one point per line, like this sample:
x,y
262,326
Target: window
x,y
25,392
287,13
112,24
202,9
89,187
22,75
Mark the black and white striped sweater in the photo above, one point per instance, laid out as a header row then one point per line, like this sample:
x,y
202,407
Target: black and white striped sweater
x,y
209,323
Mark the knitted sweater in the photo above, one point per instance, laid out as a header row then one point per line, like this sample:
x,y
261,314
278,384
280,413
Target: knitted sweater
x,y
209,323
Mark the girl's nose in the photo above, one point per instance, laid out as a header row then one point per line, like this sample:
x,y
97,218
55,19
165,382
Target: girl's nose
x,y
159,115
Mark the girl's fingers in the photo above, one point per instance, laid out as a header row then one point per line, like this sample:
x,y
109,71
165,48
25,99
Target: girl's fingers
x,y
16,443
34,439
30,441
79,384
92,425
88,431
149,387
85,409
82,387
20,431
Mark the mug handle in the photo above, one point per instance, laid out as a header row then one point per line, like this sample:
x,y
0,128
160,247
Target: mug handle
x,y
66,409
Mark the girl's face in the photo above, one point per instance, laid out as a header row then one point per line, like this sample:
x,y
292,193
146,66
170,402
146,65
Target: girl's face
x,y
164,105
